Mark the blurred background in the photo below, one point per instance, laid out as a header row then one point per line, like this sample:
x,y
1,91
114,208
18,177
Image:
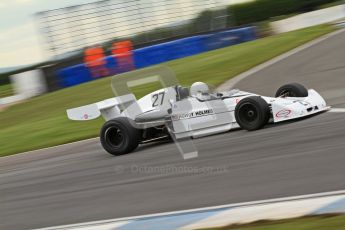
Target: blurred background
x,y
63,40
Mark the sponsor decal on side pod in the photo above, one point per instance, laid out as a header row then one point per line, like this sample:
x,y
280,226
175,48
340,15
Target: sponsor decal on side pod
x,y
283,113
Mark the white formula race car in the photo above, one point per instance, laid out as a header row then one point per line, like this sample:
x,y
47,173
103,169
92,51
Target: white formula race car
x,y
193,112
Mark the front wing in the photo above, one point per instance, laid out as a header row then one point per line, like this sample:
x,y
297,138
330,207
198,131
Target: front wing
x,y
293,107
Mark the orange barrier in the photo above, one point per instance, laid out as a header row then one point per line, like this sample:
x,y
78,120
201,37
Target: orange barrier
x,y
94,60
124,55
124,47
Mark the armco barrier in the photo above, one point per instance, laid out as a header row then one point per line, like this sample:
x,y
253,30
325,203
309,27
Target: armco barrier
x,y
156,54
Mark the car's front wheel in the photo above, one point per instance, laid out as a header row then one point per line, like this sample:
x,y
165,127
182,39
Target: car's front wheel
x,y
292,90
119,137
252,113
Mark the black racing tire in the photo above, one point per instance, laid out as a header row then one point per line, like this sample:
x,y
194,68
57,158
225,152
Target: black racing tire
x,y
292,90
118,136
252,113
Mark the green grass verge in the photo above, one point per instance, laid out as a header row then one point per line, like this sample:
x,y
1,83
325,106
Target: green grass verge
x,y
329,222
6,90
42,122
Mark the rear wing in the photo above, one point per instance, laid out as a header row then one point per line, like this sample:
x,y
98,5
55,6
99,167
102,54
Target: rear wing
x,y
109,109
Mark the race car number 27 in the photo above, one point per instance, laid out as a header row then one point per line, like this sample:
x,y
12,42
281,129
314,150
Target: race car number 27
x,y
157,99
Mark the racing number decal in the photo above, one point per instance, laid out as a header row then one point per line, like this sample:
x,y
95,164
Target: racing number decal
x,y
158,99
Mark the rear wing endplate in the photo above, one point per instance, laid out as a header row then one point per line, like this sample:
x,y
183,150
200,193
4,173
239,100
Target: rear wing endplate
x,y
109,109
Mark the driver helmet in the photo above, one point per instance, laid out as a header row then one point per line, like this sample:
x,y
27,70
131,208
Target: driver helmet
x,y
199,88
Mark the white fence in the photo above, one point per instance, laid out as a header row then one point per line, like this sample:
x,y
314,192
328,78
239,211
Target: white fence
x,y
309,19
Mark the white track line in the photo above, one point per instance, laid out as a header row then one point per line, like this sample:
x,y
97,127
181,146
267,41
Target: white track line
x,y
232,82
337,110
90,226
244,204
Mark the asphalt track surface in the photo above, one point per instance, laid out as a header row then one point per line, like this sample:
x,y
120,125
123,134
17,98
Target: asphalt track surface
x,y
80,182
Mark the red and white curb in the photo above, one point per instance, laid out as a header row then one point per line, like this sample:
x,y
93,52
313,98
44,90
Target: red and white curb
x,y
219,216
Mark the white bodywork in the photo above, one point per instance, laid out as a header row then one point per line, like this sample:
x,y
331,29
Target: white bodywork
x,y
197,115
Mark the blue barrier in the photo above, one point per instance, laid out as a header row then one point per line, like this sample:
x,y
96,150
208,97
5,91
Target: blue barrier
x,y
245,34
163,52
150,55
230,37
78,74
186,47
111,65
74,75
168,51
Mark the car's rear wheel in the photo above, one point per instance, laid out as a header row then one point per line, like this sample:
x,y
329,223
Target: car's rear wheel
x,y
252,113
119,137
292,90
